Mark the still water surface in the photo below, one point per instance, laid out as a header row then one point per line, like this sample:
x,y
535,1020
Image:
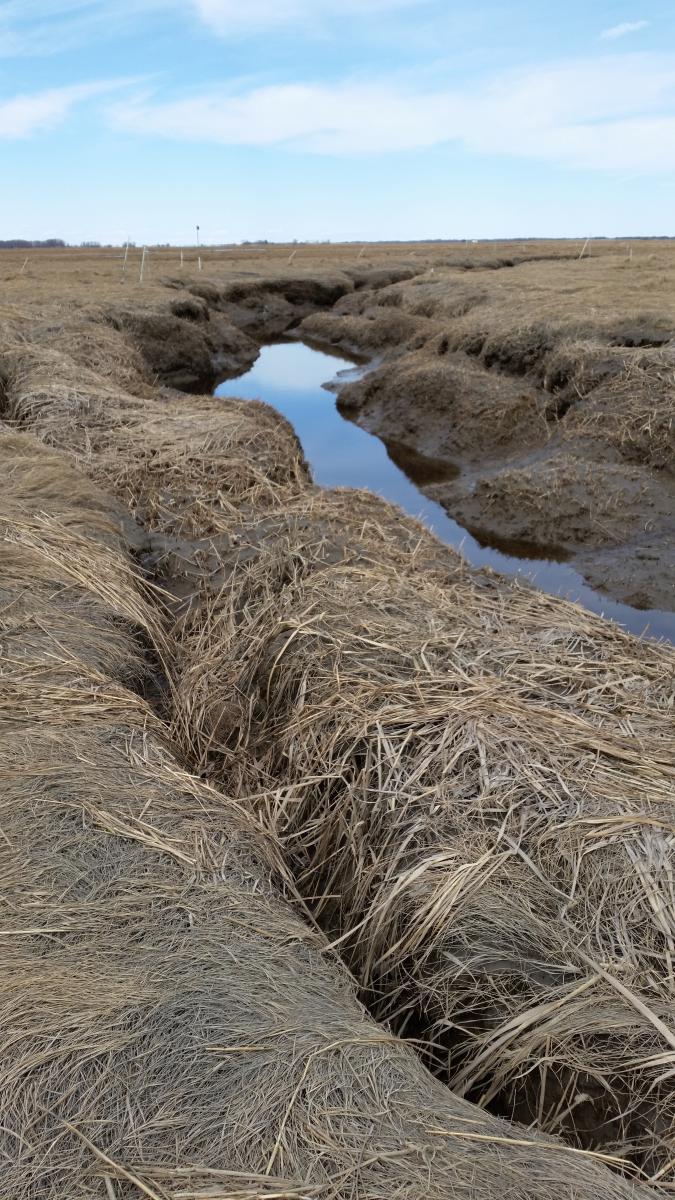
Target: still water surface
x,y
292,377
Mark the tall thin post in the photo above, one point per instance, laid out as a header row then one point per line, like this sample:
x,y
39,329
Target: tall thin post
x,y
199,260
181,258
142,265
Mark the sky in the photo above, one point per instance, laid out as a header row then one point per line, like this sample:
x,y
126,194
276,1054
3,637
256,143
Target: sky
x,y
335,119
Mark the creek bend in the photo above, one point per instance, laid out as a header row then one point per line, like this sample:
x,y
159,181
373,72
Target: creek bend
x,y
298,380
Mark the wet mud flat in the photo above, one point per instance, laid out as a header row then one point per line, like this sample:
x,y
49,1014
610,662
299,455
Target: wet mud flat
x,y
547,391
540,385
301,381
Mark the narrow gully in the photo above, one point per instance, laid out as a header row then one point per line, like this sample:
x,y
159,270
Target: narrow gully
x,y
297,380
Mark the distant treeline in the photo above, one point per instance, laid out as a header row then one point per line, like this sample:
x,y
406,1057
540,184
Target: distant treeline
x,y
22,244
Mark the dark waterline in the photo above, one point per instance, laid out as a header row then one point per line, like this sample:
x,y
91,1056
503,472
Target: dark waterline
x,y
292,377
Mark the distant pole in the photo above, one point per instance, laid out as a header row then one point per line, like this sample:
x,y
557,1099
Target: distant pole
x,y
181,258
198,237
126,255
199,260
142,265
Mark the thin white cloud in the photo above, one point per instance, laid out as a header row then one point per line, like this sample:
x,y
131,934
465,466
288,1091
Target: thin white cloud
x,y
45,27
232,16
37,112
623,30
606,112
42,27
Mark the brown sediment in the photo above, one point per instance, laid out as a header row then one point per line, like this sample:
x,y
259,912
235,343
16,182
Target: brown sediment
x,y
552,389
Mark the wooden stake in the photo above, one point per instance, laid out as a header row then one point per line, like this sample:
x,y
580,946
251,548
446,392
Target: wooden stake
x,y
142,265
24,267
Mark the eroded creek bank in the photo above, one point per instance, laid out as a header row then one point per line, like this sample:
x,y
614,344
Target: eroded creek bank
x,y
557,434
549,441
542,442
215,331
297,379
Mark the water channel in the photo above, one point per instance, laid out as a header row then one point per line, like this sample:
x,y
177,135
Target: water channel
x,y
293,378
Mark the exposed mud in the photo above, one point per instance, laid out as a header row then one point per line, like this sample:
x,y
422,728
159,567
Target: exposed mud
x,y
555,421
184,350
447,408
222,326
552,431
539,387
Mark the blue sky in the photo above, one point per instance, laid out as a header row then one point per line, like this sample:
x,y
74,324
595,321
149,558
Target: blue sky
x,y
341,119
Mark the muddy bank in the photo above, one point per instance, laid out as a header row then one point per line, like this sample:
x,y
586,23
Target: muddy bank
x,y
207,333
557,426
183,333
542,391
213,331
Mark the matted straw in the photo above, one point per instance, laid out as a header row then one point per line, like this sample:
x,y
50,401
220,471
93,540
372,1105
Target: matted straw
x,y
469,779
171,1028
473,783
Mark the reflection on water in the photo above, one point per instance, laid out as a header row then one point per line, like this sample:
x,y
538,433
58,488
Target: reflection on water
x,y
291,377
419,469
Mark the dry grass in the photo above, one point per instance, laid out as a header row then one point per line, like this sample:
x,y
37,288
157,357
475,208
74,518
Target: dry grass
x,y
634,412
169,459
473,784
597,334
604,294
170,1028
55,274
